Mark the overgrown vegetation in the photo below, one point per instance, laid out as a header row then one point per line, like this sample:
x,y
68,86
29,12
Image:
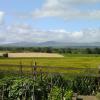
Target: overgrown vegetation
x,y
47,87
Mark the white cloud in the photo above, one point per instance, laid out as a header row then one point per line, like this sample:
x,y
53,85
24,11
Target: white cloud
x,y
68,9
80,1
1,17
64,9
24,32
77,34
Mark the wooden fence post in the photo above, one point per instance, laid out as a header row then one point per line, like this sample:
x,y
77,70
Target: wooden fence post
x,y
99,78
21,69
34,69
21,74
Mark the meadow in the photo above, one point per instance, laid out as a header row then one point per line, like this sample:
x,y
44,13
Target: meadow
x,y
53,64
72,68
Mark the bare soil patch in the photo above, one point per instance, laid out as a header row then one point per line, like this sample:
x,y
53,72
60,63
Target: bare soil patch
x,y
14,55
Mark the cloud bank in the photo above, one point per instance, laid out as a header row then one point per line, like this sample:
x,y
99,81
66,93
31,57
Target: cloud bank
x,y
24,32
64,9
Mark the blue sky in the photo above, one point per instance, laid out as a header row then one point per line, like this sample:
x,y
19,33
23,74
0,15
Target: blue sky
x,y
49,20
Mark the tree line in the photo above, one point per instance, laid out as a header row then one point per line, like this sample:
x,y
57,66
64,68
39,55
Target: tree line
x,y
52,50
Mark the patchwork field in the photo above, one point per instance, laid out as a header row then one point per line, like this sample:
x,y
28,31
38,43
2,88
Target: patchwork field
x,y
52,64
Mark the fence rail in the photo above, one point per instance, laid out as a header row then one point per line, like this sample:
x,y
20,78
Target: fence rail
x,y
49,67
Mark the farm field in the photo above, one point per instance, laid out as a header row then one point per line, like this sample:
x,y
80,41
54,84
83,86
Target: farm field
x,y
51,64
15,55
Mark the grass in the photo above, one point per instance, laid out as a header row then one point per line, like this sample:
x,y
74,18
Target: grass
x,y
70,60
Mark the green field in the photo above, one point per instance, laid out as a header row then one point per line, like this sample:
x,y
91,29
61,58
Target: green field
x,y
69,61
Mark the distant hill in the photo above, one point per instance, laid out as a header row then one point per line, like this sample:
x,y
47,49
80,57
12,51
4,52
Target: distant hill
x,y
31,44
51,44
20,44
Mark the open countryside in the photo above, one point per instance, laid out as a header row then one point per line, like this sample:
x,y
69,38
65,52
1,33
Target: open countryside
x,y
50,50
51,63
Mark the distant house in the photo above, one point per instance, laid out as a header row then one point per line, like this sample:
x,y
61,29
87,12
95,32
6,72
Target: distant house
x,y
3,54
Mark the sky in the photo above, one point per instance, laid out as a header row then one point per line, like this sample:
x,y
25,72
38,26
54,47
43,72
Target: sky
x,y
49,20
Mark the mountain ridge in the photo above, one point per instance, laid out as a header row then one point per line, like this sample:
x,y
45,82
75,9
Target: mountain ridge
x,y
50,44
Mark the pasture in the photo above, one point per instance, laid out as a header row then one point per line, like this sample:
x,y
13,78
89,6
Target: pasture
x,y
51,64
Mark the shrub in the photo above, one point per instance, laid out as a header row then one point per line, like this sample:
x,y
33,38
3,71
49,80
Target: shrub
x,y
98,95
5,55
68,95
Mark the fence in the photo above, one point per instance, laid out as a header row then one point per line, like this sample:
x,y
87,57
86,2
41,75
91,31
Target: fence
x,y
39,85
49,69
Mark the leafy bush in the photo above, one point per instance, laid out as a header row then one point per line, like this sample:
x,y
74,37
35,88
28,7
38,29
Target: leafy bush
x,y
55,88
55,93
98,95
68,95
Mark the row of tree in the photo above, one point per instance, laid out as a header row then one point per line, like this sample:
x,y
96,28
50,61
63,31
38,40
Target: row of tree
x,y
52,50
